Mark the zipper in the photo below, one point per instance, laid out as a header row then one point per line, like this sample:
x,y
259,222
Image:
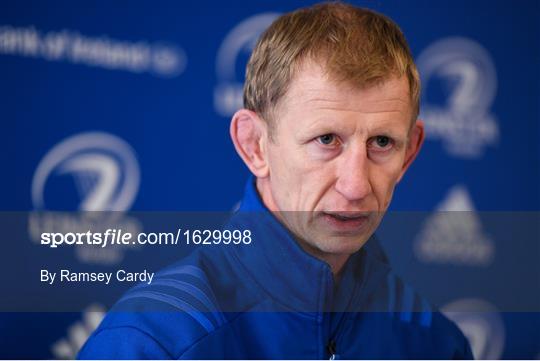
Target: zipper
x,y
331,349
328,284
332,343
339,331
347,314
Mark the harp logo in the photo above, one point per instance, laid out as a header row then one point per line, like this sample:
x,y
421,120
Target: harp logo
x,y
232,59
103,167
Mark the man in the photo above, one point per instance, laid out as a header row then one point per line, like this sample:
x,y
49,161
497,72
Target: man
x,y
329,128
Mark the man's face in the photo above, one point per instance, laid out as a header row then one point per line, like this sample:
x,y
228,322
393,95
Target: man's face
x,y
336,155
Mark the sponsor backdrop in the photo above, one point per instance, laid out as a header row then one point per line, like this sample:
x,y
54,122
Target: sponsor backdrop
x,y
126,106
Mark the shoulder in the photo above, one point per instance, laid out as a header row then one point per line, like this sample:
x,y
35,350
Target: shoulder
x,y
413,317
162,319
450,338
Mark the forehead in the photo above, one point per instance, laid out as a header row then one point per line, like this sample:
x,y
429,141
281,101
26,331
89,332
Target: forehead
x,y
312,88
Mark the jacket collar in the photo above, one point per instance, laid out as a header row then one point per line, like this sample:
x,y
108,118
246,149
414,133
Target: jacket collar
x,y
289,275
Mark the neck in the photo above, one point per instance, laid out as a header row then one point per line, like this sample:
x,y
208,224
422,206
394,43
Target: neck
x,y
335,261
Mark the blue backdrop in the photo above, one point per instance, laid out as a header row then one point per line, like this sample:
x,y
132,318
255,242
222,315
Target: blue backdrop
x,y
126,106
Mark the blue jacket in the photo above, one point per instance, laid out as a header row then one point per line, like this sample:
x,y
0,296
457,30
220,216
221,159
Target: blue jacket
x,y
272,300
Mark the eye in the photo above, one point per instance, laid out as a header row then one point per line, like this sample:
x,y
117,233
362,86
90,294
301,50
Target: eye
x,y
382,142
327,139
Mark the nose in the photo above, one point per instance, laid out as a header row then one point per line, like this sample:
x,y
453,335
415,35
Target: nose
x,y
353,180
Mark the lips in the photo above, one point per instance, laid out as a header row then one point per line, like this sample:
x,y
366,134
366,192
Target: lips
x,y
349,222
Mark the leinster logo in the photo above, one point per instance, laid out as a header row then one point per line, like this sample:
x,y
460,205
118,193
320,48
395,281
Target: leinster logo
x,y
77,333
103,167
231,62
92,173
481,323
459,85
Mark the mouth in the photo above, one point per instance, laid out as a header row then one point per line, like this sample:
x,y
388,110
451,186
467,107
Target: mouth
x,y
348,222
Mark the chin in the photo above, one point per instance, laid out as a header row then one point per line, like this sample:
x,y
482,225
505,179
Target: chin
x,y
341,245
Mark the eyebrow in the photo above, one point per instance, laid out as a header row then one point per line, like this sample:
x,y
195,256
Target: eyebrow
x,y
323,123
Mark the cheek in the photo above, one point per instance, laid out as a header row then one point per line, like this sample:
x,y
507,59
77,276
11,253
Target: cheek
x,y
297,180
384,181
285,175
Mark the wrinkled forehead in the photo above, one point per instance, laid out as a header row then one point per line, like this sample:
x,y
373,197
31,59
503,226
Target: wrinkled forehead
x,y
314,86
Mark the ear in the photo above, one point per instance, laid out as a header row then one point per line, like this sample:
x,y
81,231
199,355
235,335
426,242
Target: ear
x,y
249,135
416,139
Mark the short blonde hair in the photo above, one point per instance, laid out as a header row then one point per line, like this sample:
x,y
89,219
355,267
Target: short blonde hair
x,y
354,45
